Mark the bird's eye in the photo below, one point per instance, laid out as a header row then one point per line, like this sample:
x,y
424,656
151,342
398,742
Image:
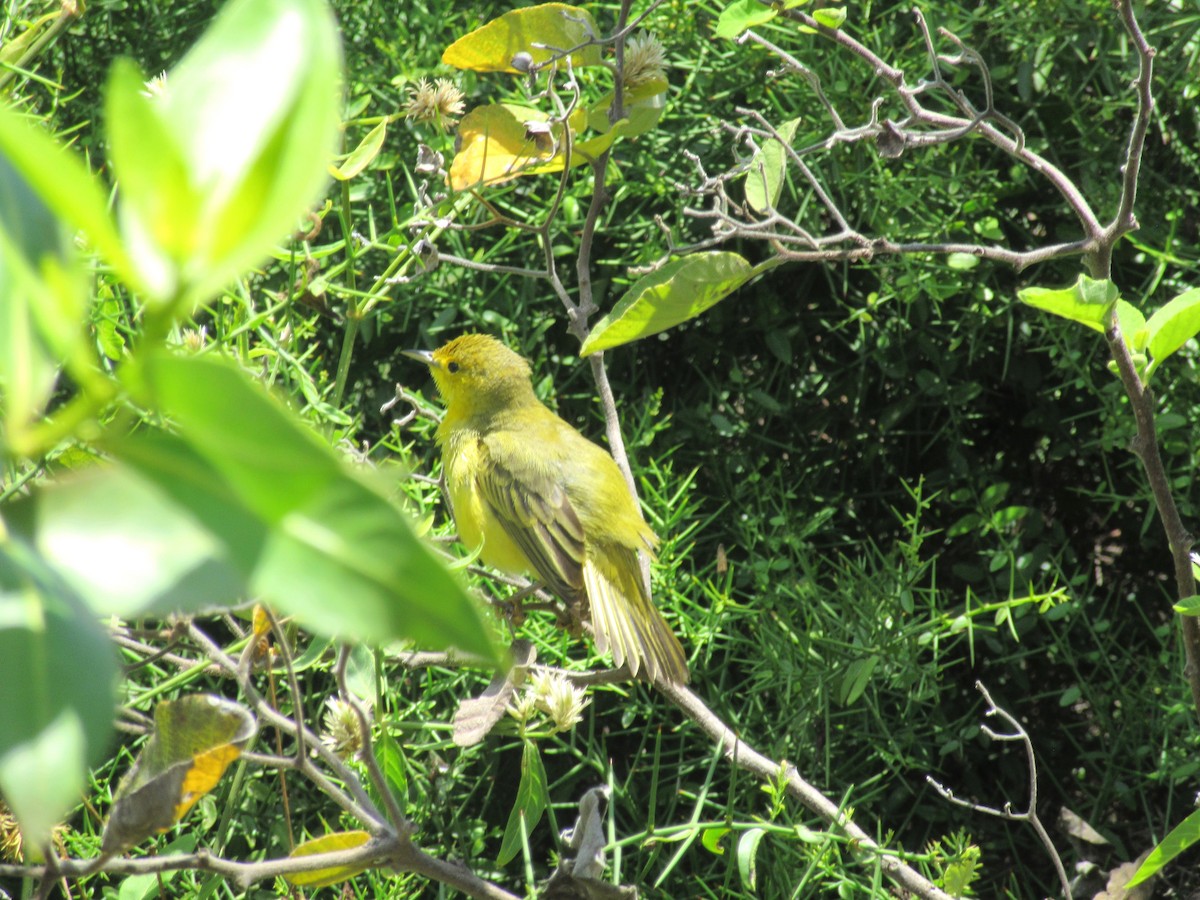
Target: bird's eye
x,y
451,367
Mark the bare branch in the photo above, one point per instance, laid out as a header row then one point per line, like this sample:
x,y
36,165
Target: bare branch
x,y
1029,814
745,757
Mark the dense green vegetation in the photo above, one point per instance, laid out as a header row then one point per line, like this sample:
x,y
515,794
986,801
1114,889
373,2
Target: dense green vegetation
x,y
877,481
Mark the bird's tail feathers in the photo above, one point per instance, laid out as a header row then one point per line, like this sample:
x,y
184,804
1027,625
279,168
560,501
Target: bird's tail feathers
x,y
626,621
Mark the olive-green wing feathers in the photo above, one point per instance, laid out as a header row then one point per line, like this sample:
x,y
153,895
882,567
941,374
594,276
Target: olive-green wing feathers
x,y
536,512
537,515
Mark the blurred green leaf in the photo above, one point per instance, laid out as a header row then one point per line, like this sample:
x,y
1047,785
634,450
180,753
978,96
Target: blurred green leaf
x,y
160,209
306,532
491,47
32,242
740,15
679,291
129,548
221,163
63,183
59,675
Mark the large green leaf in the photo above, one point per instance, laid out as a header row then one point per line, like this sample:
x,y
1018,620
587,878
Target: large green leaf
x,y
305,531
679,291
161,210
1087,301
59,675
220,164
130,548
492,47
32,241
1173,325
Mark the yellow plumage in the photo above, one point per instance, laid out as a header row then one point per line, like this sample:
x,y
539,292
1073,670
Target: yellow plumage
x,y
540,498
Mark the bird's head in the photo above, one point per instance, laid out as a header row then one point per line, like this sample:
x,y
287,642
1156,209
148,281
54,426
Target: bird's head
x,y
474,370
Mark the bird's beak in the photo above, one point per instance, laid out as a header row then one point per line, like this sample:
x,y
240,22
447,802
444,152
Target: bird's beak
x,y
420,356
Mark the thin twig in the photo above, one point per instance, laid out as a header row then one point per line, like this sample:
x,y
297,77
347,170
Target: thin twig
x,y
1029,814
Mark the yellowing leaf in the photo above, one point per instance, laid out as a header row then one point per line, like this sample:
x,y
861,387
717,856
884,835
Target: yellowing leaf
x,y
330,843
491,48
195,739
500,141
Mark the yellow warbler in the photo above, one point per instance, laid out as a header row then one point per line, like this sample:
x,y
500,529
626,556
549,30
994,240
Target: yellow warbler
x,y
541,498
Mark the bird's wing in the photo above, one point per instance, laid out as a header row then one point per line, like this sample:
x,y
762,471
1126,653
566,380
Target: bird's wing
x,y
536,513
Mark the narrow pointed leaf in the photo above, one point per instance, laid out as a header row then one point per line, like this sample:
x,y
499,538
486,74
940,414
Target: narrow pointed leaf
x,y
362,155
1183,837
765,177
533,796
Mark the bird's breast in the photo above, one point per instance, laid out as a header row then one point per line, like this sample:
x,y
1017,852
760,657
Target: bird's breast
x,y
463,458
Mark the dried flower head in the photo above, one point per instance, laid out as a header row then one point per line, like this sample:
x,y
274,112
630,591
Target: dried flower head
x,y
195,339
342,734
563,703
11,849
645,59
439,103
523,708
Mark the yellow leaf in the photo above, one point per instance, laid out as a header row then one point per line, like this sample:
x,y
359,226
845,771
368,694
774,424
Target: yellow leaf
x,y
492,47
341,840
498,142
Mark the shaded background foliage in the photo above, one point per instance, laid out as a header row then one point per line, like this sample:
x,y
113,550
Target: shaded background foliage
x,y
878,448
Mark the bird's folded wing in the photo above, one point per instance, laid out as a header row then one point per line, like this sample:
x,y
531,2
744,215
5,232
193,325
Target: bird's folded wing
x,y
536,513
